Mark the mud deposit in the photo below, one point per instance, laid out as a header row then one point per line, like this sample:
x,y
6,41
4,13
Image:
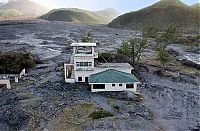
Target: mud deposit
x,y
43,101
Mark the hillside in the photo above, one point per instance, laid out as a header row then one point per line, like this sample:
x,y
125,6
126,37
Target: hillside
x,y
9,13
81,16
22,7
160,15
196,6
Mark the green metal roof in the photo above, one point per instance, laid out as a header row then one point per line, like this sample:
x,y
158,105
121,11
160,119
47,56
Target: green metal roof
x,y
112,76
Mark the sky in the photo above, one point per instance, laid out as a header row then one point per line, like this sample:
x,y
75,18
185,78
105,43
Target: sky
x,y
122,6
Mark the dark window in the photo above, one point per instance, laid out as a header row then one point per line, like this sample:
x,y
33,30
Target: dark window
x,y
83,64
120,84
129,86
113,84
79,78
99,86
86,79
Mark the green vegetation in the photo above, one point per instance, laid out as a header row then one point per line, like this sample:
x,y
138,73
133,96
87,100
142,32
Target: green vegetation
x,y
72,119
132,49
80,16
160,15
87,37
9,13
23,7
163,39
101,114
14,62
196,6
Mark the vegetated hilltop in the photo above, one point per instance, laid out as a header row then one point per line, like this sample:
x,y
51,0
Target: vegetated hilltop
x,y
196,6
81,16
22,7
160,15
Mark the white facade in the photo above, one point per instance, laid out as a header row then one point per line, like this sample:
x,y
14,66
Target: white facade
x,y
114,87
82,65
5,82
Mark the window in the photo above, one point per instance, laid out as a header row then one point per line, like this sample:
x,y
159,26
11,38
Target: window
x,y
113,85
77,63
83,64
129,86
86,79
120,84
90,64
99,86
79,79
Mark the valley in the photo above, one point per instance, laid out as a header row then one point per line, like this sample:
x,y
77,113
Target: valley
x,y
43,101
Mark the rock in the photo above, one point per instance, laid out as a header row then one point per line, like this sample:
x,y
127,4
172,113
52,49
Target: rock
x,y
173,52
10,112
141,111
190,63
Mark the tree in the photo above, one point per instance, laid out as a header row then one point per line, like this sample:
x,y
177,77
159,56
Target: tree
x,y
163,57
87,37
149,32
132,49
165,38
168,37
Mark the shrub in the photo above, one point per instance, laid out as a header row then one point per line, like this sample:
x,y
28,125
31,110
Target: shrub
x,y
101,114
116,107
14,62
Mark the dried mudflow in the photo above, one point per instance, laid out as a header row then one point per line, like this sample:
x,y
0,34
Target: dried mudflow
x,y
43,101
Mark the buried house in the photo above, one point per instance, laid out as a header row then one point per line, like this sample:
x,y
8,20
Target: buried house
x,y
6,78
101,77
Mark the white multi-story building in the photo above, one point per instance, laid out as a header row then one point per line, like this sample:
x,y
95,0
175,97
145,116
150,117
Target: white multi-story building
x,y
101,77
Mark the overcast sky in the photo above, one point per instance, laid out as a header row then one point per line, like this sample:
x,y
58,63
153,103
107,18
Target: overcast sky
x,y
122,6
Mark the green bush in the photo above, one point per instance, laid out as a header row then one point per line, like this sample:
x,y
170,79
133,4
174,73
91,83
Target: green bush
x,y
116,107
14,62
101,114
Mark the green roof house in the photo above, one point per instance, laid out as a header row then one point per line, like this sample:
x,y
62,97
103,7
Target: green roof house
x,y
113,80
102,76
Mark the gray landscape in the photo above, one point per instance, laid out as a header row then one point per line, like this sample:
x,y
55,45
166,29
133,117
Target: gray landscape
x,y
42,100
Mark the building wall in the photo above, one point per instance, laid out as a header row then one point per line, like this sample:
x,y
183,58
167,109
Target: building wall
x,y
109,87
84,74
83,59
5,82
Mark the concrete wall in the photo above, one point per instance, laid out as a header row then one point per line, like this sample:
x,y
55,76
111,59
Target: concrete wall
x,y
23,73
82,74
5,82
83,59
109,87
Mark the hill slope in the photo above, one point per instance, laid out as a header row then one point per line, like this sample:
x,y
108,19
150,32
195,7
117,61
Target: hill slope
x,y
160,15
81,16
24,7
196,6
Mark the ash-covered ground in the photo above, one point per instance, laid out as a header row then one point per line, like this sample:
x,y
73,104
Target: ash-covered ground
x,y
43,101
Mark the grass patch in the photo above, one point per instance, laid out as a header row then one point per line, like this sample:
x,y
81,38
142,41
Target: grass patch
x,y
73,118
101,114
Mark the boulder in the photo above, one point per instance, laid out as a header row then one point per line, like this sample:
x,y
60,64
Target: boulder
x,y
190,64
